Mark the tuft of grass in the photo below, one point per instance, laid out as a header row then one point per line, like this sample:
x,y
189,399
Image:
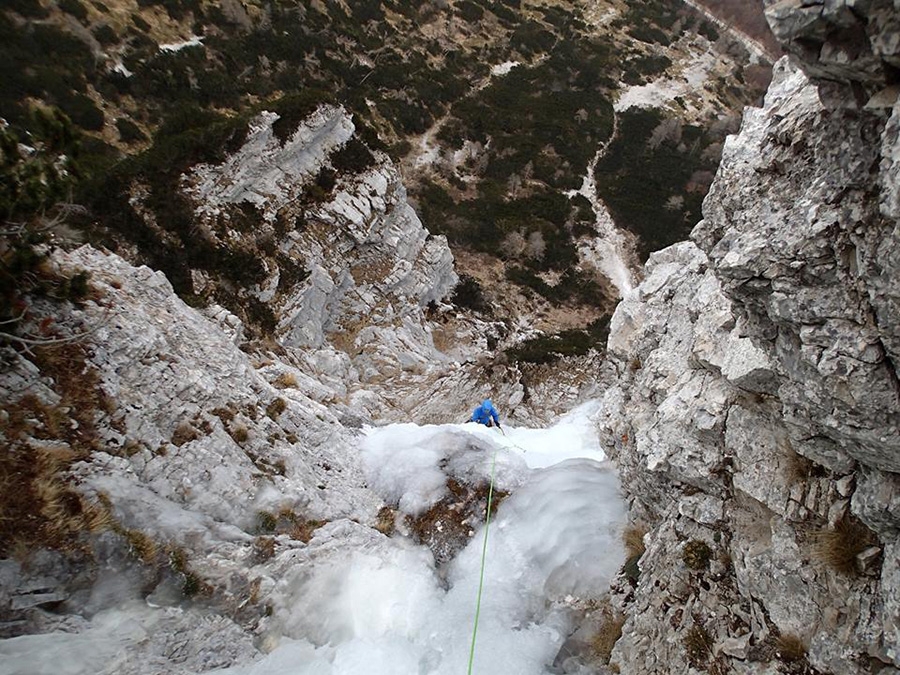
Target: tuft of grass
x,y
265,522
285,521
286,380
697,646
239,434
178,561
608,634
696,554
142,546
839,546
40,507
633,538
275,408
192,584
790,648
184,433
297,526
385,521
224,414
263,549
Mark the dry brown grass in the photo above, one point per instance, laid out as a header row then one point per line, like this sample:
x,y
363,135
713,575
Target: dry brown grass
x,y
385,521
78,384
238,433
297,526
696,554
839,546
184,433
633,538
444,339
286,521
275,408
798,468
445,527
608,634
790,648
372,271
224,414
263,549
345,341
142,546
39,506
698,646
286,380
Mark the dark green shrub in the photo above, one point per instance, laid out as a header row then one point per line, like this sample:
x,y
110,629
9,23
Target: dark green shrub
x,y
649,34
141,24
32,9
631,570
73,7
468,294
83,111
367,10
105,35
708,30
637,180
129,132
295,108
469,11
549,348
353,158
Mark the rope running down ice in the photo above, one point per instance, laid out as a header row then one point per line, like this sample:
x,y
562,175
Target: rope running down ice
x,y
487,523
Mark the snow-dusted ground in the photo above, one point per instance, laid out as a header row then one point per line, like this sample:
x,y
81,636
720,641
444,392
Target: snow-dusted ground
x,y
355,601
664,90
610,250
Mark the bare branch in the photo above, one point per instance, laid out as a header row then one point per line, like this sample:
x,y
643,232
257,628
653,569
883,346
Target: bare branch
x,y
36,341
14,320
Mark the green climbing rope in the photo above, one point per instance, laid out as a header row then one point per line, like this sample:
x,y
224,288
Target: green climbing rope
x,y
487,523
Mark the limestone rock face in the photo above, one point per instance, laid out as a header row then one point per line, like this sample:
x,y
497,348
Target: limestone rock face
x,y
797,263
367,260
845,40
756,418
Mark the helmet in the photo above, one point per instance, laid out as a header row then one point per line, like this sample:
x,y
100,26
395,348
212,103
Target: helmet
x,y
487,405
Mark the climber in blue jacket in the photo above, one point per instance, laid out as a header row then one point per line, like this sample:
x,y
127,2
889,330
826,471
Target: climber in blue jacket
x,y
486,414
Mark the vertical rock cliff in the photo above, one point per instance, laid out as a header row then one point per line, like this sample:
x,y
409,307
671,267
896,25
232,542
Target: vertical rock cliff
x,y
756,416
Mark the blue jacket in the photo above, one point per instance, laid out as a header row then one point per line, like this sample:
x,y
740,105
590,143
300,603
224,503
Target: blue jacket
x,y
484,413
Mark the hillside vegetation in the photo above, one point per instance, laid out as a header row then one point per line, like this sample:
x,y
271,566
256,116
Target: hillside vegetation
x,y
114,97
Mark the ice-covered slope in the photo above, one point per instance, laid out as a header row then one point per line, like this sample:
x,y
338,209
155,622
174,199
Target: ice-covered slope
x,y
354,600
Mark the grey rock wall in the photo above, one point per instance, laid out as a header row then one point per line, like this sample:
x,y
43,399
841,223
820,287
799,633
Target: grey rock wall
x,y
756,419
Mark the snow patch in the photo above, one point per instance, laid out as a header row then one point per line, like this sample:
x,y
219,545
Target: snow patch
x,y
194,41
504,68
663,91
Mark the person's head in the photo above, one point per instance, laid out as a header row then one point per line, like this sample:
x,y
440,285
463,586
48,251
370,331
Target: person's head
x,y
487,405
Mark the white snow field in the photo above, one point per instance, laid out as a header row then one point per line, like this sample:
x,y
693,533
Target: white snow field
x,y
376,606
355,602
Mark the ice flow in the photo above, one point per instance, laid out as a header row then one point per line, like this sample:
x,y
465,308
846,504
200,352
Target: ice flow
x,y
370,604
356,602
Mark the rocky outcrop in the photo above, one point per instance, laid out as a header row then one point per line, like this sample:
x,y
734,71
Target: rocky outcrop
x,y
348,262
849,41
755,420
